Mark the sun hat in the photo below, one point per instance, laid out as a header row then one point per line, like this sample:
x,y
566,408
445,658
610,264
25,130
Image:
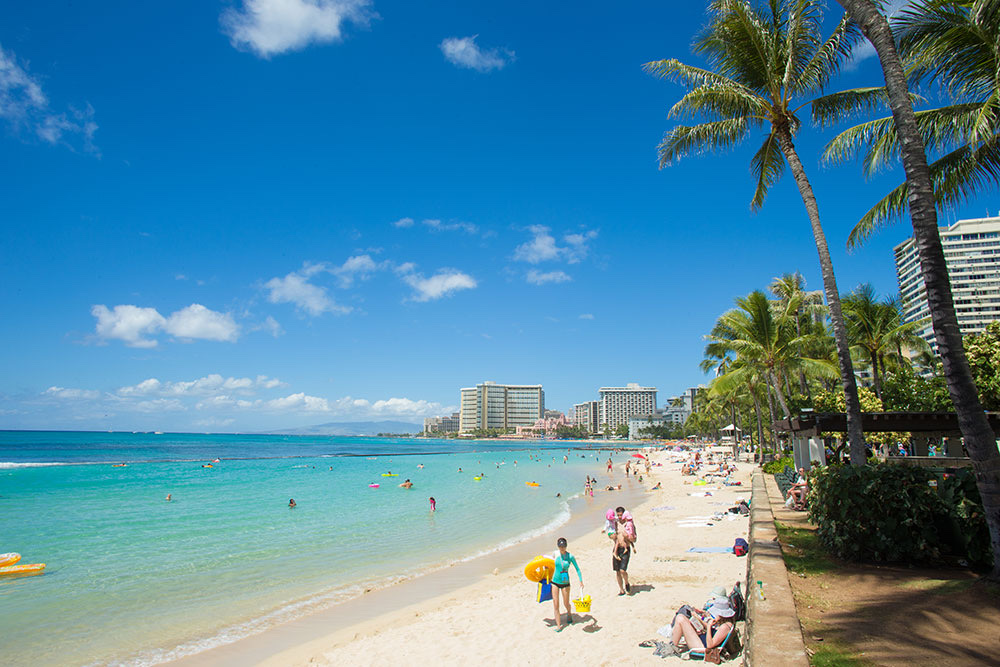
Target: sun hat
x,y
720,592
721,609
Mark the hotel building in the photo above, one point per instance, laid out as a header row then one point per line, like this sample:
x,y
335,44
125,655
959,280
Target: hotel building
x,y
500,406
617,404
441,424
587,415
972,255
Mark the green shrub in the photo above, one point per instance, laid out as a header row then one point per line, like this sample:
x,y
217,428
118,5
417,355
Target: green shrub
x,y
778,465
876,512
960,495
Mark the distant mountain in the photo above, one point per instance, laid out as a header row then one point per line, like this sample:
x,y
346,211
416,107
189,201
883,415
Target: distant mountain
x,y
353,428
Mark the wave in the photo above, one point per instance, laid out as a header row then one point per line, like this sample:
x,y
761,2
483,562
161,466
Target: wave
x,y
6,465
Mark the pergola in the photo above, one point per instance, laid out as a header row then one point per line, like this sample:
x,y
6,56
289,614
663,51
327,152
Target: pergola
x,y
808,429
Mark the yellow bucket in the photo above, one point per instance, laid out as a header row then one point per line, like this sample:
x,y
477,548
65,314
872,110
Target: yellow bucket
x,y
582,604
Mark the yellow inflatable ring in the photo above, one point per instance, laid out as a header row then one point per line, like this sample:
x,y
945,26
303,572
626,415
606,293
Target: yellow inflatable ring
x,y
540,567
9,559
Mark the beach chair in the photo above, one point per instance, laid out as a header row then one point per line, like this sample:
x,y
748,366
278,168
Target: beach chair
x,y
729,649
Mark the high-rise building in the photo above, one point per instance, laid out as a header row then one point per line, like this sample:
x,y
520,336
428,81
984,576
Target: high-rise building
x,y
972,254
490,405
441,424
587,415
617,404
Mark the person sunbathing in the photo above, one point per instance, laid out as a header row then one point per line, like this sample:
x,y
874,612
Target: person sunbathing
x,y
704,631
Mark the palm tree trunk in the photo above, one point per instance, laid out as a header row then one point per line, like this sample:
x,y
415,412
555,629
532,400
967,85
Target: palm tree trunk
x,y
875,375
781,397
803,387
850,384
760,428
774,421
979,439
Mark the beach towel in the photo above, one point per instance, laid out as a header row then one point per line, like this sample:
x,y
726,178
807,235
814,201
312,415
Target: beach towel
x,y
701,494
711,550
663,508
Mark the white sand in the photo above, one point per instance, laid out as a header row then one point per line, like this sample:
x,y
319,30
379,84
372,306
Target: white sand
x,y
497,621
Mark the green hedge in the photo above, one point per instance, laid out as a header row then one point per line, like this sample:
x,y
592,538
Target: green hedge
x,y
772,467
891,512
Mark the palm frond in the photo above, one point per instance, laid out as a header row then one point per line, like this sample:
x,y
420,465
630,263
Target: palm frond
x,y
767,165
828,58
685,140
721,101
957,177
875,140
836,107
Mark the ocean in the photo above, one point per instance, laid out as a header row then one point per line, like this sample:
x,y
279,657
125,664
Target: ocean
x,y
133,579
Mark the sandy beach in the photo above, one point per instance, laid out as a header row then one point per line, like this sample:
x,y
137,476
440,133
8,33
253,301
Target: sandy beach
x,y
494,618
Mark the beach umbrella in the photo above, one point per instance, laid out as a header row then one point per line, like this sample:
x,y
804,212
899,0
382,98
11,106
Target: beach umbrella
x,y
639,456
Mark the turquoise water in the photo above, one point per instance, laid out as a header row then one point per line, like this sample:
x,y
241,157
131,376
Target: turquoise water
x,y
132,578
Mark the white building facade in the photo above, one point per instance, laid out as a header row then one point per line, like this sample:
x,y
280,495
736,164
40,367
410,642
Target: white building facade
x,y
972,254
638,423
500,406
587,415
617,404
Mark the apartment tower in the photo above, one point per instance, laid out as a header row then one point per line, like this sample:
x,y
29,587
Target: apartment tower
x,y
500,406
972,254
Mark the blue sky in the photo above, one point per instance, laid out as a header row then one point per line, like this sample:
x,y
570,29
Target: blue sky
x,y
268,213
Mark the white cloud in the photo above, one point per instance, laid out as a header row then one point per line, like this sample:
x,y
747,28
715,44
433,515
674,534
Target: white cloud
x,y
464,52
203,386
269,27
300,402
272,327
543,247
439,226
24,105
536,277
197,321
127,323
576,248
134,325
540,248
403,223
587,316
360,266
62,392
295,288
441,284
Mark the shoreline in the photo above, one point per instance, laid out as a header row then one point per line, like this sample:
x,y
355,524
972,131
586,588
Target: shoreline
x,y
420,588
464,602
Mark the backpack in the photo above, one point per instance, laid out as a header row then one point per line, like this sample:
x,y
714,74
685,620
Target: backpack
x,y
740,547
732,647
738,604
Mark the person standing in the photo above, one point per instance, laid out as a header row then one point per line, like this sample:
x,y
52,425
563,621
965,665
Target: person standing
x,y
560,582
433,504
625,530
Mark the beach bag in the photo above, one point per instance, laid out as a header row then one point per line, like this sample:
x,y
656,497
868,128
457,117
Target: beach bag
x,y
544,593
738,603
740,547
733,646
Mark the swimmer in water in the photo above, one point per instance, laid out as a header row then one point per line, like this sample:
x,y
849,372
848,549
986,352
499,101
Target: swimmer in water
x,y
433,504
291,503
170,497
406,485
459,470
420,466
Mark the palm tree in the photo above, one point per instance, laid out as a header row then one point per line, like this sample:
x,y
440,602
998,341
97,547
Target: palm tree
x,y
793,286
876,329
977,435
958,45
764,345
763,60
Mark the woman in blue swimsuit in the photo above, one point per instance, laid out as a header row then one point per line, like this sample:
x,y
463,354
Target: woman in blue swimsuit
x,y
560,582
